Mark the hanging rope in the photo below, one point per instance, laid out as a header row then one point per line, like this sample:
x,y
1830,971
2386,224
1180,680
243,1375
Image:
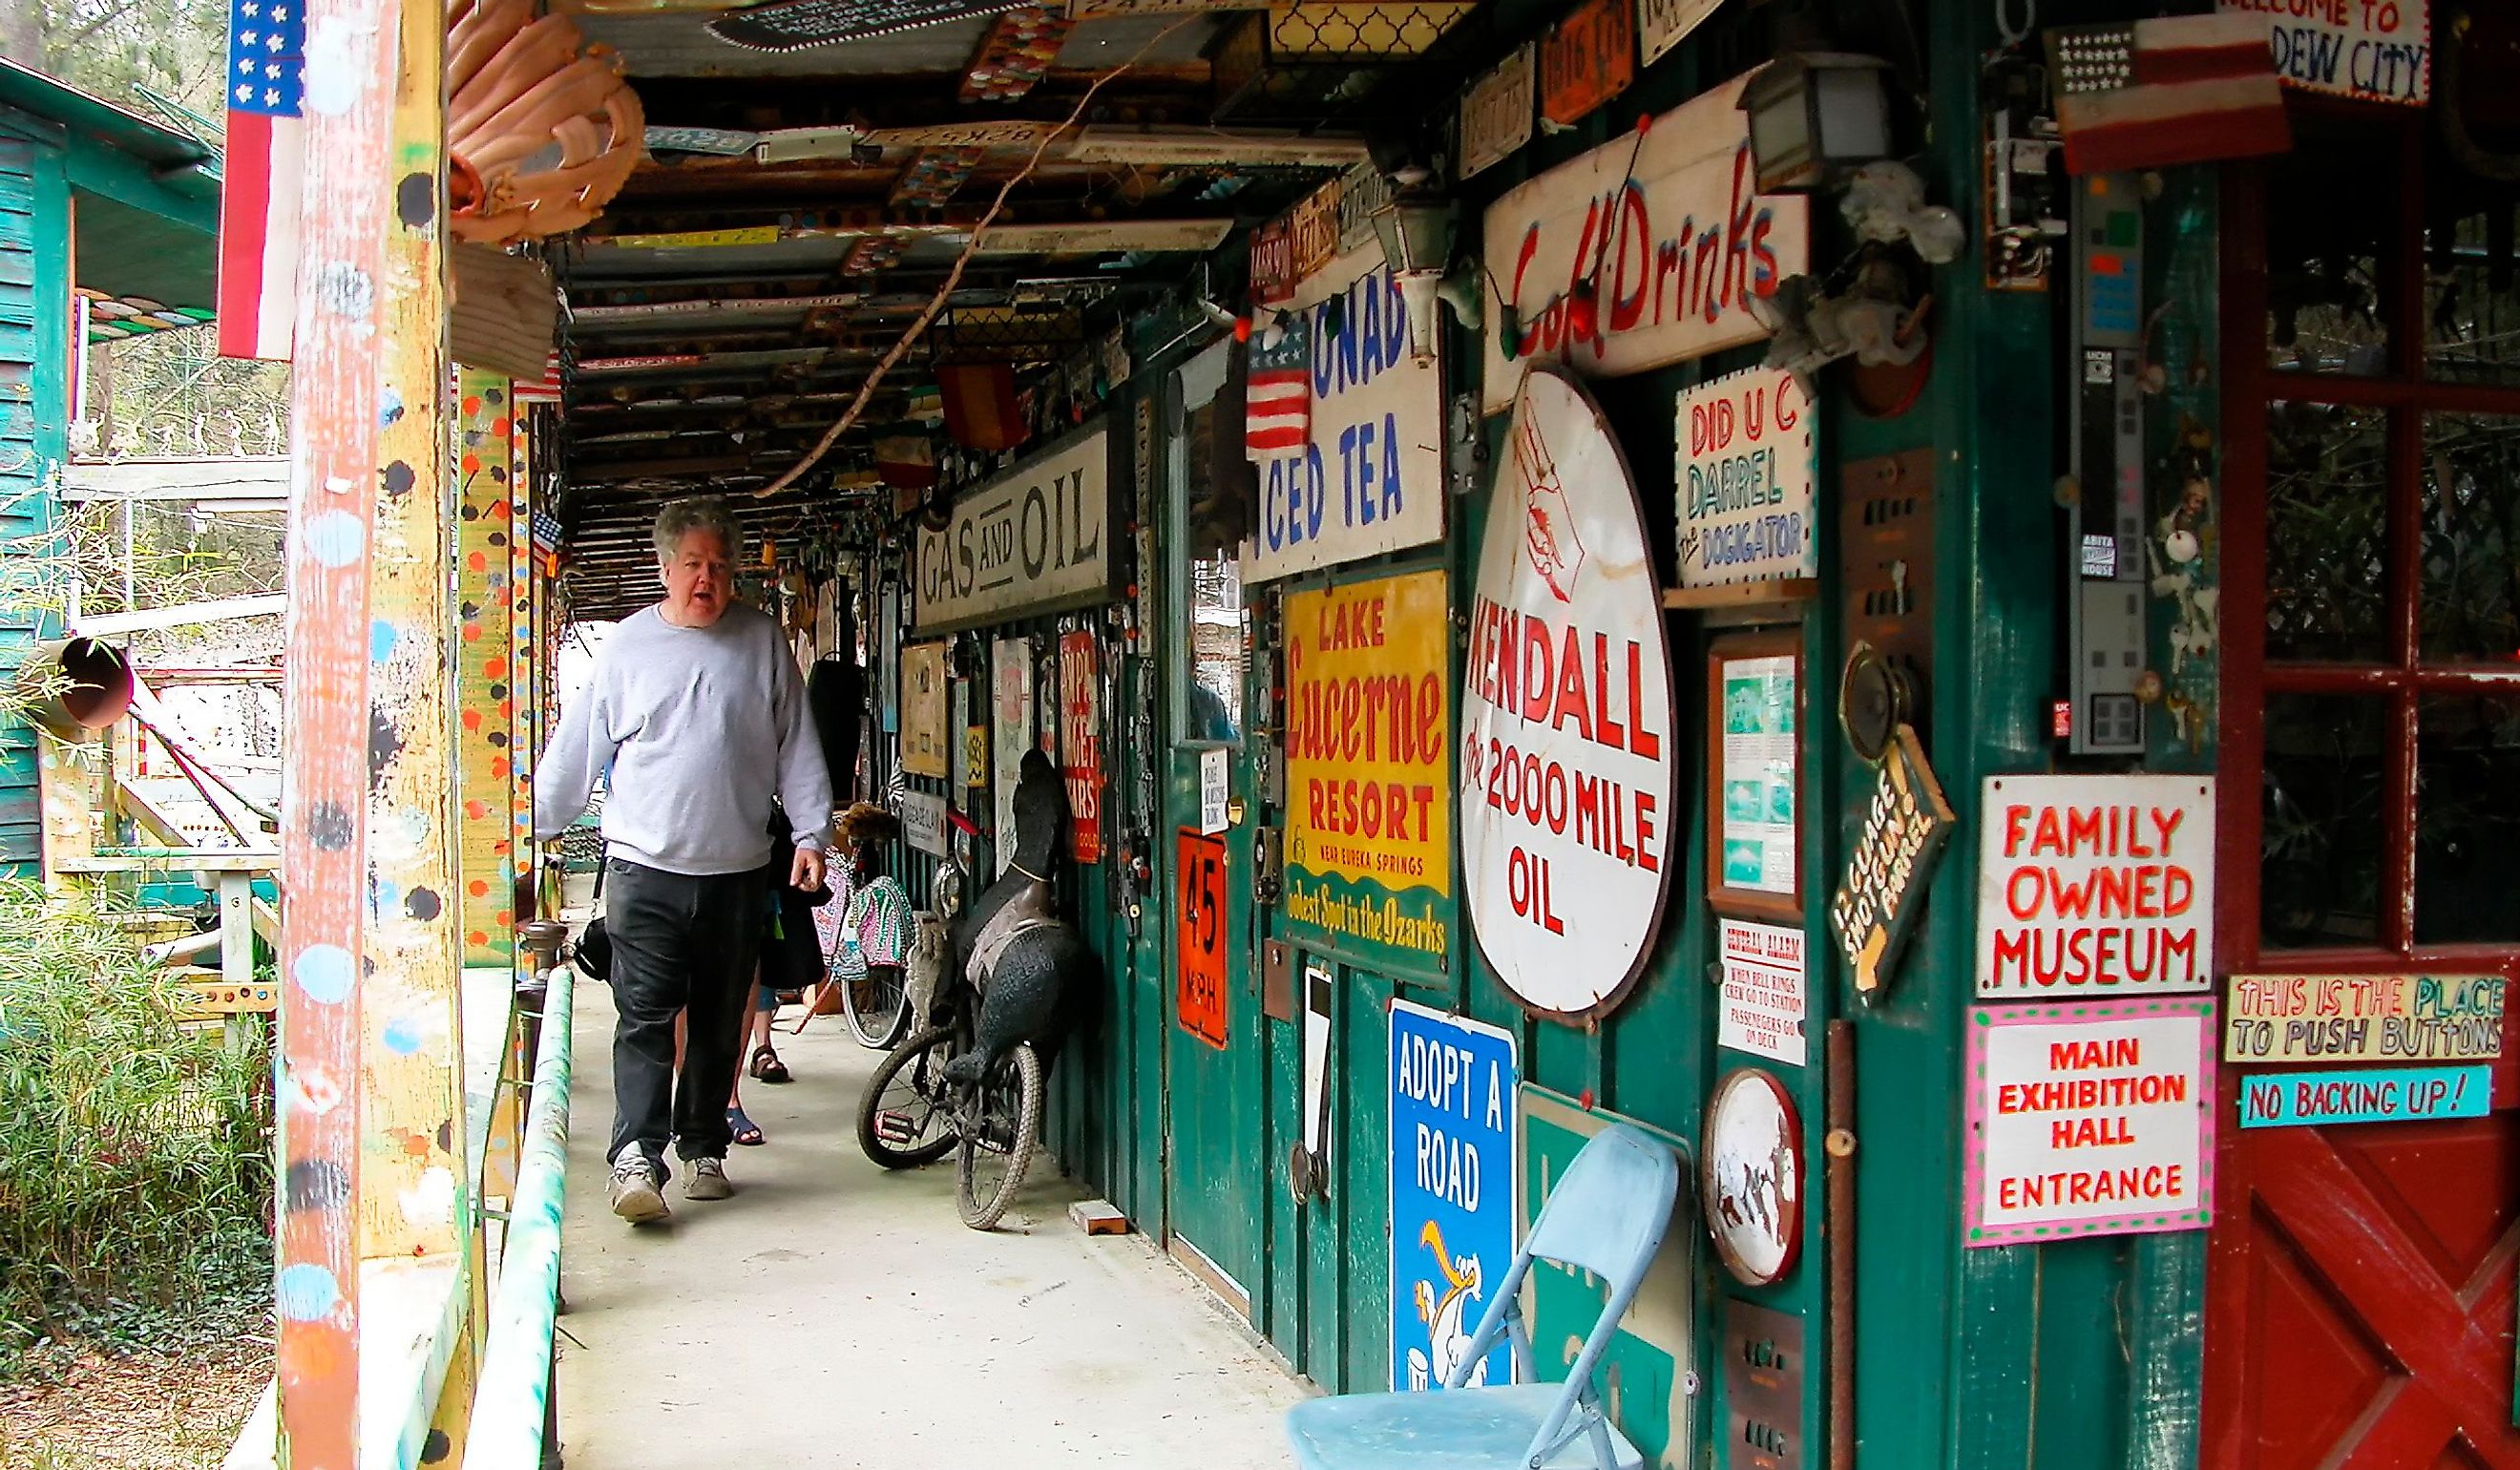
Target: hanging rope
x,y
954,276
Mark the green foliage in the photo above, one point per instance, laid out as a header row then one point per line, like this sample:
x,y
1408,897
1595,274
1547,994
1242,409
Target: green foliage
x,y
135,1173
112,48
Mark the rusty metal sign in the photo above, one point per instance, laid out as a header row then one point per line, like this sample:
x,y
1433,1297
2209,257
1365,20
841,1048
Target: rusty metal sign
x,y
1588,59
1662,24
1198,996
1497,113
1313,229
1762,1358
1273,265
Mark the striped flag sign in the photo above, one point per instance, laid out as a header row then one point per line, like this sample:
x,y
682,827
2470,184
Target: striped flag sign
x,y
2150,94
546,390
1278,419
257,296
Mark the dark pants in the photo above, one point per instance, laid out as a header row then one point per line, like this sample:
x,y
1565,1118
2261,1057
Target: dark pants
x,y
678,943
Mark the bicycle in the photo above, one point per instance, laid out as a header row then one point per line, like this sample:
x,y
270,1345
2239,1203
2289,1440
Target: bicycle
x,y
919,1105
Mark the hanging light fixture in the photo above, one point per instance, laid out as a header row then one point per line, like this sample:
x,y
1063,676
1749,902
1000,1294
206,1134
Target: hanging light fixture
x,y
1814,115
1416,228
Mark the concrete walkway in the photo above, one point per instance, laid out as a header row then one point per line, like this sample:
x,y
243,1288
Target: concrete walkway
x,y
831,1314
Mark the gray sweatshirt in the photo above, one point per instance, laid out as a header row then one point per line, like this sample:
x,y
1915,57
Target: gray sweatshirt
x,y
699,728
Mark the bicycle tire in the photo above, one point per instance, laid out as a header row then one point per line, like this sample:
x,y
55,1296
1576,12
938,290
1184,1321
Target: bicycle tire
x,y
984,1214
871,1035
943,1043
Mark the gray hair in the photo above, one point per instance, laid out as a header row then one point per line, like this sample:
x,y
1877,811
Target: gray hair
x,y
698,512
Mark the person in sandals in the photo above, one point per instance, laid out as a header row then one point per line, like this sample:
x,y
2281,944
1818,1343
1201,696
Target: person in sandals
x,y
698,705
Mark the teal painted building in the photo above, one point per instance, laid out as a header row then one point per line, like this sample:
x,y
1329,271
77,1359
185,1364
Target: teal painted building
x,y
93,199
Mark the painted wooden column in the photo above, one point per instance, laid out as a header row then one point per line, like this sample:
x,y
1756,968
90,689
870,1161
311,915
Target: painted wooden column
x,y
414,1199
346,353
485,462
516,694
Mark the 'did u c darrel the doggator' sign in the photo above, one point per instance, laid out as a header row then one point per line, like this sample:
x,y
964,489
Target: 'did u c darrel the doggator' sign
x,y
1568,776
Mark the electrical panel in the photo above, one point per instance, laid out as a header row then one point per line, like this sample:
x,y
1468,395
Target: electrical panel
x,y
2106,613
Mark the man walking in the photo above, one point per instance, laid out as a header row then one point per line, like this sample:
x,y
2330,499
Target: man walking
x,y
697,706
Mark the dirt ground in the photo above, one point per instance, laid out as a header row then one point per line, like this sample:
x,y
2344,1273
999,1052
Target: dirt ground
x,y
139,1412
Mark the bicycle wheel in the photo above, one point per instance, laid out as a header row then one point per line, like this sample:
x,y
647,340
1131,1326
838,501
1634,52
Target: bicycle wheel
x,y
876,1005
996,1144
906,1117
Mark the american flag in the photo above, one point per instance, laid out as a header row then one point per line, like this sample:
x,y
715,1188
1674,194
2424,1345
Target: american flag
x,y
547,390
259,199
1279,417
2150,94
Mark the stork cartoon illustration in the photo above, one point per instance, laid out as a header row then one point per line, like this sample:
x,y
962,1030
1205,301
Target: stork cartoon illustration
x,y
1447,1319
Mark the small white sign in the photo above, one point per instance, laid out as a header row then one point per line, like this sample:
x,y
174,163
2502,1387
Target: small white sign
x,y
1746,464
1765,1003
2088,1120
1662,24
2095,886
1011,734
1212,788
923,822
1497,113
2369,50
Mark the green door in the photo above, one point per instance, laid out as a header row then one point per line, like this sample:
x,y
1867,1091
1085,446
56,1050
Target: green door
x,y
1212,1064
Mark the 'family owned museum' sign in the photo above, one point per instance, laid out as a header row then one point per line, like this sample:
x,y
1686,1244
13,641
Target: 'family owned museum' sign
x,y
2097,885
1661,236
1370,475
1570,772
1369,741
2088,1120
1035,539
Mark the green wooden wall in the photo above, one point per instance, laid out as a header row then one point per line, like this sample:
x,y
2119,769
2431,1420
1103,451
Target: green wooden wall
x,y
34,272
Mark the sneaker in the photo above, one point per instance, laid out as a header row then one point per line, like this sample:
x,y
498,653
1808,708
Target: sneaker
x,y
638,1193
708,1181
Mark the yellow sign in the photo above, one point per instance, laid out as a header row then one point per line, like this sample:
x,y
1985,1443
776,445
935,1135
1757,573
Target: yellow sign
x,y
693,239
1369,753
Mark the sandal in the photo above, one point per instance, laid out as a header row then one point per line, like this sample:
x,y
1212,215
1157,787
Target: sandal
x,y
767,1067
745,1130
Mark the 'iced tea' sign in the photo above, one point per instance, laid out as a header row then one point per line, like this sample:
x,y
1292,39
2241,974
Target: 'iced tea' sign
x,y
2096,886
1645,251
1569,772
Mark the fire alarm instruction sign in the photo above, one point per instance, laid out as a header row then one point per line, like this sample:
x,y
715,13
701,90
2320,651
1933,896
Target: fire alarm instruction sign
x,y
2090,1120
2096,886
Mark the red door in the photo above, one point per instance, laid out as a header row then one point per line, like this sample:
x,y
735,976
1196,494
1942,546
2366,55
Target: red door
x,y
2359,1308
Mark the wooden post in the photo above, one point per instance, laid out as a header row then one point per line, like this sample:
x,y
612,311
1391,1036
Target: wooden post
x,y
485,461
415,1199
344,357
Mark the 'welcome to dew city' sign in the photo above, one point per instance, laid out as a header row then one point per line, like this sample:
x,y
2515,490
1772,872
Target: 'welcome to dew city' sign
x,y
1369,733
2096,886
1663,235
1570,773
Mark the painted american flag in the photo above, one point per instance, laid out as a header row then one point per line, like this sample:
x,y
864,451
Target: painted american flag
x,y
2166,90
1280,416
257,295
545,391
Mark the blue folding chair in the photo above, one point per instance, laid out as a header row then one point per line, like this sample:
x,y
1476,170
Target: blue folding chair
x,y
1606,1216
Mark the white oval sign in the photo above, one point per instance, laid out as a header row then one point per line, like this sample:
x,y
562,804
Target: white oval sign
x,y
1569,774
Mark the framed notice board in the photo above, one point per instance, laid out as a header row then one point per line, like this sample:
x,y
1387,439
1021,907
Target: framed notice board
x,y
1754,766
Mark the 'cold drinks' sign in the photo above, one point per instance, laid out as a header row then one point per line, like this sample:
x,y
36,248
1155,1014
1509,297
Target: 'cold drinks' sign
x,y
2096,886
1645,250
1569,772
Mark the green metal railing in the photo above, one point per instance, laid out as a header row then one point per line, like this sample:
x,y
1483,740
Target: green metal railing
x,y
512,1410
